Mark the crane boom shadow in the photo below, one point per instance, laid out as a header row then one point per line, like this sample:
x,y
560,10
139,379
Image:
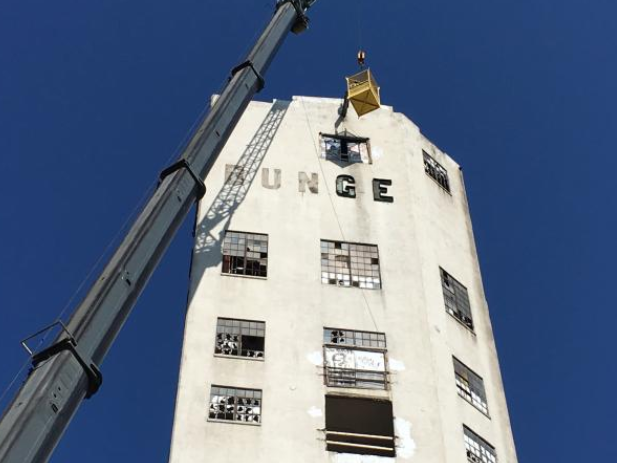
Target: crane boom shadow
x,y
238,180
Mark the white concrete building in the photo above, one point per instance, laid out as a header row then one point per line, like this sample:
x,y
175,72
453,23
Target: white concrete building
x,y
336,310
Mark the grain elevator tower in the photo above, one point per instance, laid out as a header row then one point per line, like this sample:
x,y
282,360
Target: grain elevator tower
x,y
336,311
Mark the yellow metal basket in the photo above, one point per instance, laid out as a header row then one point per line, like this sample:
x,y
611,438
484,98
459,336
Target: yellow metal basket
x,y
363,92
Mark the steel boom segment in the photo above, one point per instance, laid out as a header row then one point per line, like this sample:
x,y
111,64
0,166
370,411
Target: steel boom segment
x,y
34,422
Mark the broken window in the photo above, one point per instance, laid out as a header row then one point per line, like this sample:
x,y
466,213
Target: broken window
x,y
245,254
350,264
456,299
470,386
345,148
478,450
348,367
354,338
240,338
235,404
363,426
436,171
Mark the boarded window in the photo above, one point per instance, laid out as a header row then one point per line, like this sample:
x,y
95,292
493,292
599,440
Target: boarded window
x,y
456,299
436,171
235,404
350,264
478,450
345,148
240,338
245,254
348,367
470,386
363,426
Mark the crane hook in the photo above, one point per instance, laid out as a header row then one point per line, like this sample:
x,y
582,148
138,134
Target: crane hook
x,y
361,58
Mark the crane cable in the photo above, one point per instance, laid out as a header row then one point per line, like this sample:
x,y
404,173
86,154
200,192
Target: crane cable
x,y
361,56
334,211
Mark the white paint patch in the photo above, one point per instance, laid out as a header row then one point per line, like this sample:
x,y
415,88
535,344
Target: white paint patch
x,y
396,365
353,458
376,152
406,446
316,358
315,412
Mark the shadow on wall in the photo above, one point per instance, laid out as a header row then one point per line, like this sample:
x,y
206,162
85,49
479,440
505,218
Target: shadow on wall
x,y
238,180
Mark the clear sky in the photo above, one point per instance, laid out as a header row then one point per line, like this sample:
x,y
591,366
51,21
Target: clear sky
x,y
95,97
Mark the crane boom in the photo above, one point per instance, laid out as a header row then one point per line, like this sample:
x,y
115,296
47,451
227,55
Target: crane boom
x,y
67,371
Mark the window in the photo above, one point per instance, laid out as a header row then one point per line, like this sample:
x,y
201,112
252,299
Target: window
x,y
240,338
470,386
456,299
235,404
245,254
364,367
478,450
350,264
363,426
436,171
345,148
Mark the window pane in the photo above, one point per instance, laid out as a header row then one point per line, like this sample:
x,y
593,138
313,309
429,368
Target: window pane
x,y
470,386
349,264
436,171
345,148
245,254
235,404
478,450
456,299
237,338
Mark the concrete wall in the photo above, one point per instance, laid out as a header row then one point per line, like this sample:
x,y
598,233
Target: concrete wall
x,y
424,228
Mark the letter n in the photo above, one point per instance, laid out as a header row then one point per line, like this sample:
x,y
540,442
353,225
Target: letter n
x,y
303,181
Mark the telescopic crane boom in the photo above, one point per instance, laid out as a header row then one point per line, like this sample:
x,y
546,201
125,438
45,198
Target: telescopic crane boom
x,y
67,372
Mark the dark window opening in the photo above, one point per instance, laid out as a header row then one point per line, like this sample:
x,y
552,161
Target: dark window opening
x,y
456,299
240,338
348,367
245,254
362,426
345,148
350,264
436,171
478,450
235,404
470,386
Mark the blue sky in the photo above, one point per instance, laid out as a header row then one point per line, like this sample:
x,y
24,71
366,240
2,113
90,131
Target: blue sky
x,y
96,96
